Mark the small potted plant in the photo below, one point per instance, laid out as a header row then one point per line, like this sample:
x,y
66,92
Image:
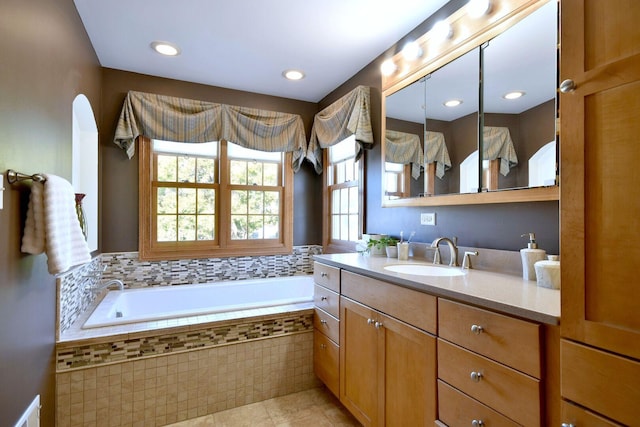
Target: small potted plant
x,y
385,242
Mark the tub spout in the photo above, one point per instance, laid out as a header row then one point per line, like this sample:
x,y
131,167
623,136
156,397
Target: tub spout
x,y
112,282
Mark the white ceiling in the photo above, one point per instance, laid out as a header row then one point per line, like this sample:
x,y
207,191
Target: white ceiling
x,y
247,44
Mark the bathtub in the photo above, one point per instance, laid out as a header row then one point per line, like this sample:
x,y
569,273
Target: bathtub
x,y
156,303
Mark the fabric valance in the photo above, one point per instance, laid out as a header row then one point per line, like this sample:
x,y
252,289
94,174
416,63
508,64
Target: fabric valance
x,y
497,144
404,148
436,152
185,120
349,115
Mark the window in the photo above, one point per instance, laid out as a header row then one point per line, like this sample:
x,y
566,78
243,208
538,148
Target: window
x,y
396,179
343,196
213,199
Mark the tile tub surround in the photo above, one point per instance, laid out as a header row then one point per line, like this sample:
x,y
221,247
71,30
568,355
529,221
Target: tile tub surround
x,y
73,299
159,390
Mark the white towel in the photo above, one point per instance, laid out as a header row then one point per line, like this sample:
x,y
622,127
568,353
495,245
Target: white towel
x,y
52,226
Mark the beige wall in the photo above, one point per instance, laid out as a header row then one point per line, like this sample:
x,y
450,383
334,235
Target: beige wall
x,y
46,61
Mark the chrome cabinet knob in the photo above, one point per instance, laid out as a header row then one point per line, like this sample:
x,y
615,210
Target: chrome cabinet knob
x,y
477,423
378,325
323,346
323,274
476,376
323,322
567,425
323,298
477,329
370,321
567,86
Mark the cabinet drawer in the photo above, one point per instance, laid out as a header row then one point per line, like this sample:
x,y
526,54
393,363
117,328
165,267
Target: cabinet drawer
x,y
327,276
514,342
327,324
603,382
458,409
577,416
505,390
326,300
326,359
413,307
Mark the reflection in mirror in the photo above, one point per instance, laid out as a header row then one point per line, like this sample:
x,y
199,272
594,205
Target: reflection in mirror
x,y
520,60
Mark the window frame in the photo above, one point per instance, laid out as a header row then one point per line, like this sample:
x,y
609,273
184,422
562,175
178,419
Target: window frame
x,y
337,246
222,246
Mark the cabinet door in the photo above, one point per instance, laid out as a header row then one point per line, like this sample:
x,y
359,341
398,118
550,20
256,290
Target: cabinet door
x,y
409,374
359,362
600,157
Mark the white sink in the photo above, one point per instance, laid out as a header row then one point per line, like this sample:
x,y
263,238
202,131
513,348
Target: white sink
x,y
424,270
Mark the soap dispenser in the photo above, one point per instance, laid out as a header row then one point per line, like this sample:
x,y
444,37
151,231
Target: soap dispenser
x,y
530,255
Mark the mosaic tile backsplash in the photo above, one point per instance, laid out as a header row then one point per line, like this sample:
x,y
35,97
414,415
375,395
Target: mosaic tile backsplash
x,y
78,289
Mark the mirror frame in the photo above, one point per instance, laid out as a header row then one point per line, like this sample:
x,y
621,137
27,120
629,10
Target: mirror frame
x,y
476,31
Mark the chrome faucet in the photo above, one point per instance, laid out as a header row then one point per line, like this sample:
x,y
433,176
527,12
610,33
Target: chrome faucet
x,y
108,283
453,249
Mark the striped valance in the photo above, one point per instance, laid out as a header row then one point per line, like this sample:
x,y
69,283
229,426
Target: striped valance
x,y
436,152
185,120
349,115
404,148
497,144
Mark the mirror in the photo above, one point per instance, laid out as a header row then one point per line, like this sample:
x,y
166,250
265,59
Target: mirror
x,y
521,60
516,148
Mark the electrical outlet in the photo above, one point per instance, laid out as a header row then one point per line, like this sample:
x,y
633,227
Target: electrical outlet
x,y
428,218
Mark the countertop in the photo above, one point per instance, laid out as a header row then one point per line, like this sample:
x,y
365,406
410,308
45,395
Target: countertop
x,y
500,292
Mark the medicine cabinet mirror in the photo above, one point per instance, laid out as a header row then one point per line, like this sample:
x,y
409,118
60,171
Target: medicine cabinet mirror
x,y
514,157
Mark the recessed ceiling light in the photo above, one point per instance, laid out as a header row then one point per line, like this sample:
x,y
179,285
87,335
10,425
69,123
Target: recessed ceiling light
x,y
293,74
452,103
411,51
388,67
513,95
165,48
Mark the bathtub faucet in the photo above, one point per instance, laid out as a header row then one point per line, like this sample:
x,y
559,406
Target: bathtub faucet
x,y
100,286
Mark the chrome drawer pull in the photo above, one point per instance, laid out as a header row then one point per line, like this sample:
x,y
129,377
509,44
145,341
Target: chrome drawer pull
x,y
378,325
370,321
323,274
476,376
477,423
477,329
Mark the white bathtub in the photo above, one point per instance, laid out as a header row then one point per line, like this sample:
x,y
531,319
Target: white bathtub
x,y
148,304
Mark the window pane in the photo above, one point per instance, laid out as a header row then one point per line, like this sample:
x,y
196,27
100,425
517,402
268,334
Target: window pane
x,y
254,173
186,227
167,168
206,201
256,225
344,200
340,173
349,172
167,228
195,149
272,202
187,200
238,171
270,174
335,227
256,205
271,226
166,200
344,227
206,227
238,227
239,202
353,200
343,150
392,182
393,167
206,170
186,169
335,201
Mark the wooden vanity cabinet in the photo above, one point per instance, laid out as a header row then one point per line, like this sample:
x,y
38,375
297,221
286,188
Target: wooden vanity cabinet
x,y
387,366
600,201
326,326
492,362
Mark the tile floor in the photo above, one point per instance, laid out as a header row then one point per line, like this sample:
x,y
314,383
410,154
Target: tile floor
x,y
316,407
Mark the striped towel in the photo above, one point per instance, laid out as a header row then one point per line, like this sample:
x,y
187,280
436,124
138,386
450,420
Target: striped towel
x,y
52,226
